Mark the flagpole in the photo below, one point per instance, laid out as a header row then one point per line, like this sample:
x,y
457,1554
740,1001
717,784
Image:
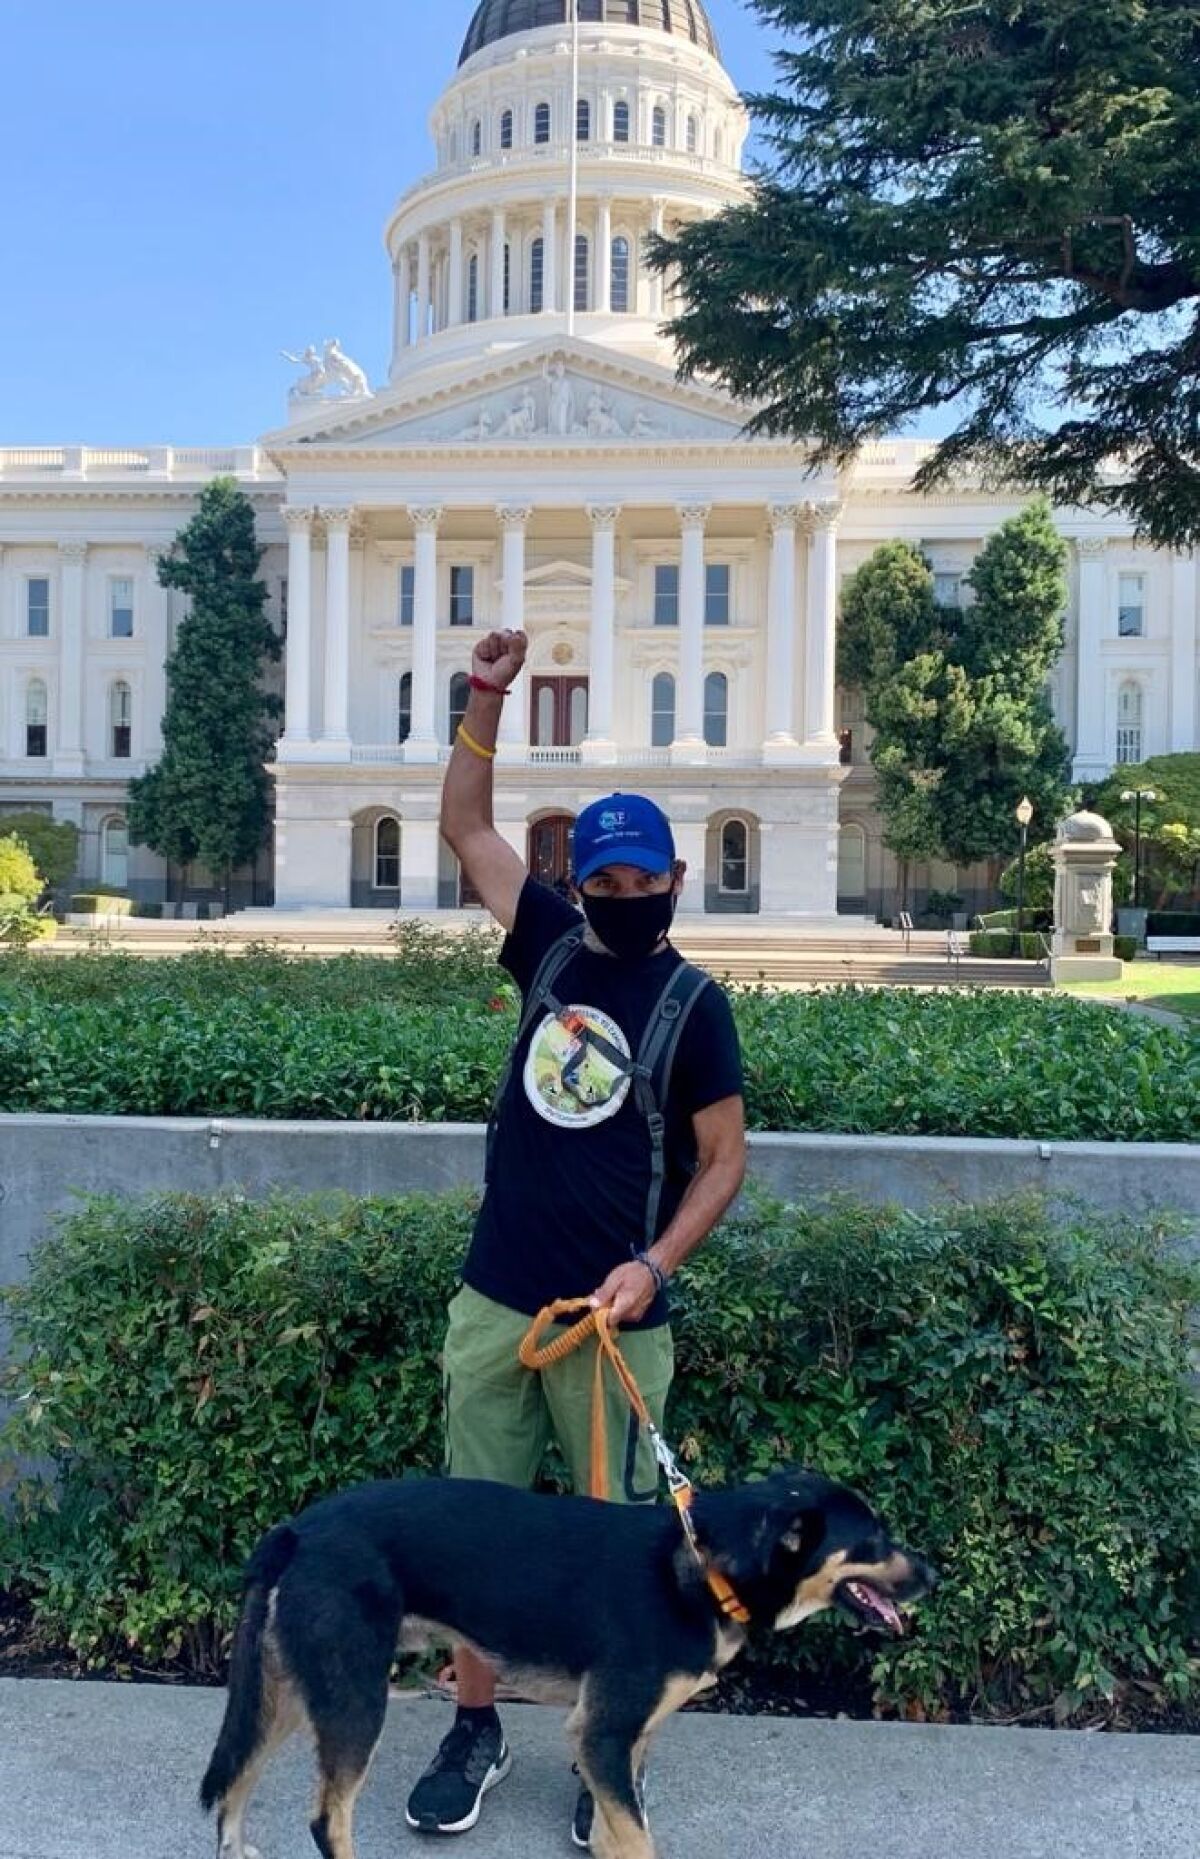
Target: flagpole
x,y
573,201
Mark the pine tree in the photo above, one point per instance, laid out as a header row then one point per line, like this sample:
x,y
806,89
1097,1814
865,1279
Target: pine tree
x,y
208,798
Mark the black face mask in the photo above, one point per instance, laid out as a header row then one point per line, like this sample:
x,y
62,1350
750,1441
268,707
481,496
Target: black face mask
x,y
631,927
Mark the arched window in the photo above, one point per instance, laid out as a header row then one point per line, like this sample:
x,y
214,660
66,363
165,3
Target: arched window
x,y
621,121
114,853
583,120
473,289
1129,723
734,878
477,137
582,272
460,693
620,275
693,135
37,711
543,723
454,145
541,123
662,711
507,277
404,712
387,853
120,717
506,129
718,146
537,276
658,127
716,710
578,720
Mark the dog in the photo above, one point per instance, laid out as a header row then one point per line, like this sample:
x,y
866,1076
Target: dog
x,y
603,1607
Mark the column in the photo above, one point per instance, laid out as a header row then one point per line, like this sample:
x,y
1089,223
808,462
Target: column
x,y
298,649
499,234
423,286
599,746
402,333
512,740
454,309
820,656
1093,757
603,269
781,744
336,732
68,749
691,845
158,646
550,258
422,744
1183,738
689,701
657,283
420,845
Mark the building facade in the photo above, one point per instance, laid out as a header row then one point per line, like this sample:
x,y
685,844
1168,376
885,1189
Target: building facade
x,y
532,461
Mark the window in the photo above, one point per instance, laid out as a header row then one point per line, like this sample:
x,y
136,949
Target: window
x,y
717,580
387,854
37,607
537,275
283,607
506,129
507,277
716,710
114,854
120,609
620,276
666,594
1131,606
621,121
120,717
404,711
947,590
1129,724
408,594
693,135
658,127
36,713
473,289
583,120
462,597
477,137
662,711
735,858
541,123
460,692
582,270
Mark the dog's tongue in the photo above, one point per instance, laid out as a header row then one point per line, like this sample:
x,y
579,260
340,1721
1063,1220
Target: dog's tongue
x,y
887,1610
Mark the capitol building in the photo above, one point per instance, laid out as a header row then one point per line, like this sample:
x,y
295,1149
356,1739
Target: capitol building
x,y
532,461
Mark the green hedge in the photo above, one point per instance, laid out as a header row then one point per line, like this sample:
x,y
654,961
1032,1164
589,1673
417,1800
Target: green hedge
x,y
1013,1395
418,1038
1000,945
101,903
1173,923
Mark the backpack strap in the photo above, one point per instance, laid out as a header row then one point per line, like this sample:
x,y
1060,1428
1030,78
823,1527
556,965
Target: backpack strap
x,y
652,1077
540,999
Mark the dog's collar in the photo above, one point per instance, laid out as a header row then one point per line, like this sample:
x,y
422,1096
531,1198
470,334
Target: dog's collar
x,y
723,1590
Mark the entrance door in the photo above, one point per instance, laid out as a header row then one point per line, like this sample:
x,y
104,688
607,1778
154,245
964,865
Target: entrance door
x,y
560,712
550,849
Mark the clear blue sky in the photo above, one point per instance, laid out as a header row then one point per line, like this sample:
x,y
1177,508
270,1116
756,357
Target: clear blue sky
x,y
186,188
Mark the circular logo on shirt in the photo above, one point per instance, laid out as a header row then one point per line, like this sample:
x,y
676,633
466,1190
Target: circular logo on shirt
x,y
578,1070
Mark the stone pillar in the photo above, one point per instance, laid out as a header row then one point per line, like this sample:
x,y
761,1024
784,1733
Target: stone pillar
x,y
781,743
550,257
691,839
820,657
689,714
512,739
419,845
603,269
1085,856
402,332
599,746
423,286
72,646
298,649
1183,738
158,646
1092,756
336,732
499,236
454,310
422,744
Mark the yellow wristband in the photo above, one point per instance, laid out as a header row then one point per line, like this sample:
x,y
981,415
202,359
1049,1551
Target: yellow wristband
x,y
468,741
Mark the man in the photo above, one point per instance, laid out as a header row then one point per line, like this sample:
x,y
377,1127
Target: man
x,y
618,1144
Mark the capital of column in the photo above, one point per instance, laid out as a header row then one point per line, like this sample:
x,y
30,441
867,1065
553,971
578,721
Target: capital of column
x,y
1091,548
73,554
693,515
785,515
338,518
823,516
298,517
425,517
603,515
512,516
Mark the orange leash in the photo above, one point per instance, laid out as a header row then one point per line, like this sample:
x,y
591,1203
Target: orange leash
x,y
595,1323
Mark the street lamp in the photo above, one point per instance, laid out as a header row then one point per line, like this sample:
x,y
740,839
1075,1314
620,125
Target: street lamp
x,y
1024,816
1137,796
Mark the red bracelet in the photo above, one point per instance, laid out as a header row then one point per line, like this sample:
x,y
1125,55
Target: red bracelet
x,y
481,684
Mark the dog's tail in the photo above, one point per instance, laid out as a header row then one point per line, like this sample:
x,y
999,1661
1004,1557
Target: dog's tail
x,y
242,1730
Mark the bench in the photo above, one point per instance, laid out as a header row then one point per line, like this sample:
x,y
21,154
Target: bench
x,y
1172,945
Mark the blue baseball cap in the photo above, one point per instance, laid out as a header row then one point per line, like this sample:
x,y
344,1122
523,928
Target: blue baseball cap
x,y
624,829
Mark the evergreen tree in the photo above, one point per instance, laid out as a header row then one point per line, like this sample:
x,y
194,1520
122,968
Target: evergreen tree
x,y
991,206
208,797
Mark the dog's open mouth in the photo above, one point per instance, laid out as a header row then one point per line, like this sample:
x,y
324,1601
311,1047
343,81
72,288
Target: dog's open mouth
x,y
870,1606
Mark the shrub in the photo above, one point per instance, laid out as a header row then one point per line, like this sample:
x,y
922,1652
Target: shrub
x,y
1173,923
943,903
53,845
18,874
101,903
1125,948
999,944
1012,1393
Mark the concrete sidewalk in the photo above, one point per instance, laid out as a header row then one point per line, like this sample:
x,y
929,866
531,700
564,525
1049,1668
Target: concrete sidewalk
x,y
110,1772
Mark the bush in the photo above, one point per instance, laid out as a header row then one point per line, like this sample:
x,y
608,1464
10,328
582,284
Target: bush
x,y
18,874
101,903
943,903
1125,948
52,845
1000,944
1173,923
1011,1393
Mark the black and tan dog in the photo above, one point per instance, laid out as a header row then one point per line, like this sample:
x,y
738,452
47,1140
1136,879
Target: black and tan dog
x,y
597,1605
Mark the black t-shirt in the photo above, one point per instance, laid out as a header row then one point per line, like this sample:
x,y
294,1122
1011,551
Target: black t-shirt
x,y
572,1159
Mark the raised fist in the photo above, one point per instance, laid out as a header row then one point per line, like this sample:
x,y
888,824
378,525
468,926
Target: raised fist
x,y
498,659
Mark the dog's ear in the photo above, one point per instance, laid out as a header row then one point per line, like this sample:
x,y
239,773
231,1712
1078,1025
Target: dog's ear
x,y
781,1529
801,1532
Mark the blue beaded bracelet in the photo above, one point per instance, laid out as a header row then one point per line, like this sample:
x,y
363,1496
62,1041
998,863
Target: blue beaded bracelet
x,y
656,1271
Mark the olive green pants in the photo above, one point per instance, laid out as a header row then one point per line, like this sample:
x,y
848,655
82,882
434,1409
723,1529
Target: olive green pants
x,y
500,1417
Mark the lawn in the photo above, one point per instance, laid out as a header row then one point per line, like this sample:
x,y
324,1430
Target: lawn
x,y
1174,986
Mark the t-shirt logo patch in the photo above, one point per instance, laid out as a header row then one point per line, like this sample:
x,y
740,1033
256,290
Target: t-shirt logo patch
x,y
577,1073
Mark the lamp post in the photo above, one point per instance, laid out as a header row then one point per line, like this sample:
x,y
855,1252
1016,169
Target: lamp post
x,y
1024,816
1137,796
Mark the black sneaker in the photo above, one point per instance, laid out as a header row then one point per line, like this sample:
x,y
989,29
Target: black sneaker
x,y
584,1817
449,1795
